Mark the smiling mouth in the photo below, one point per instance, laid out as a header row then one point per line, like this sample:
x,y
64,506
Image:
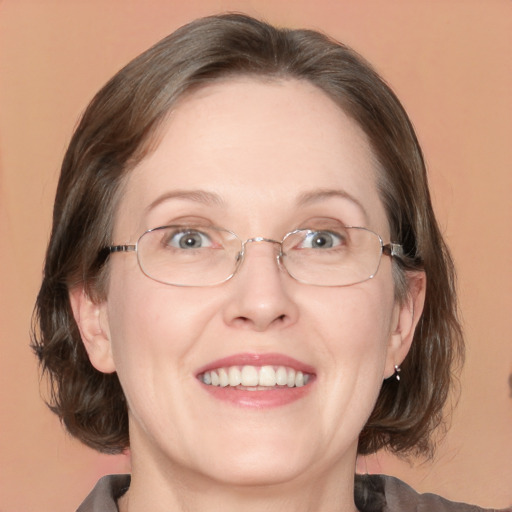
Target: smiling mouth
x,y
255,378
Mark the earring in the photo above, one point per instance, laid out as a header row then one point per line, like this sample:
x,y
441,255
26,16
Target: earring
x,y
397,372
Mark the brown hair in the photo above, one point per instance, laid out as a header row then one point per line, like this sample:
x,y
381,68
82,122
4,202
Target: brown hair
x,y
114,135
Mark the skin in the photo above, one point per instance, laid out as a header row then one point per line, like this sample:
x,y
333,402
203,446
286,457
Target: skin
x,y
259,146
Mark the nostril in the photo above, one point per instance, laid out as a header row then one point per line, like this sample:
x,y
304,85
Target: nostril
x,y
241,321
258,324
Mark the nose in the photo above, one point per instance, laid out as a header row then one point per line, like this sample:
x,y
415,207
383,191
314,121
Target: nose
x,y
262,289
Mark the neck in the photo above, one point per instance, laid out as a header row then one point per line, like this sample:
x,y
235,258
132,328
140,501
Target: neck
x,y
182,490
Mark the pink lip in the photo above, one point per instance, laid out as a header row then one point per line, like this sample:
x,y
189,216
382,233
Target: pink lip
x,y
258,399
273,359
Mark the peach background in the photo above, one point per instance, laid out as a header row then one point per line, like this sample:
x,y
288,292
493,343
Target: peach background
x,y
451,64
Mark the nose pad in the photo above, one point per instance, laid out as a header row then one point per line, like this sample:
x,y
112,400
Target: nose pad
x,y
279,260
239,259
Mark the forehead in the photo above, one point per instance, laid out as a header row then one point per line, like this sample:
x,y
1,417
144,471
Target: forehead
x,y
258,146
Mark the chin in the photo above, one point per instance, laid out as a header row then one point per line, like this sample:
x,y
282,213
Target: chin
x,y
257,471
259,459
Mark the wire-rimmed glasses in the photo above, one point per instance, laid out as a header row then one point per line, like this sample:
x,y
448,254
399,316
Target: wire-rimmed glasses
x,y
184,255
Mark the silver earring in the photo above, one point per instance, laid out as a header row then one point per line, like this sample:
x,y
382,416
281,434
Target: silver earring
x,y
397,372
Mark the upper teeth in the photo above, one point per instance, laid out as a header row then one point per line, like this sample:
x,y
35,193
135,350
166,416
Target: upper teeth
x,y
255,376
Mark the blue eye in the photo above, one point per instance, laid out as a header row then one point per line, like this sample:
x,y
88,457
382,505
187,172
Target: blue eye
x,y
321,240
189,239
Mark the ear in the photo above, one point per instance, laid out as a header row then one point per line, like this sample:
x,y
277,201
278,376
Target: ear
x,y
92,320
406,317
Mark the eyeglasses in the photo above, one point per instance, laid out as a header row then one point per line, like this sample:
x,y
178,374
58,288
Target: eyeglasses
x,y
206,256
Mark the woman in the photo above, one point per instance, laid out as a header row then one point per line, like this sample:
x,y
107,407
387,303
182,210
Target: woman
x,y
245,283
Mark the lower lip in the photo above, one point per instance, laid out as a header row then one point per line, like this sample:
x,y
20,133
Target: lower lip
x,y
275,397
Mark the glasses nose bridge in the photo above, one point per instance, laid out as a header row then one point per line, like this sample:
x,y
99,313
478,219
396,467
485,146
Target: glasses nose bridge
x,y
260,239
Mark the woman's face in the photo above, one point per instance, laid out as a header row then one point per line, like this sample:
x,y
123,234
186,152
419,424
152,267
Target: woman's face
x,y
260,158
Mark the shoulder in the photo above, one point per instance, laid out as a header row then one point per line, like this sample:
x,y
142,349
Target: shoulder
x,y
374,493
397,496
104,496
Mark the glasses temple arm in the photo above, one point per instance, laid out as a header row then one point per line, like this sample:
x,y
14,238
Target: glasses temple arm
x,y
393,250
120,248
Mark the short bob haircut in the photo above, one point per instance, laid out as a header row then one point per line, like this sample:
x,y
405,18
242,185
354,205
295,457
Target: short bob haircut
x,y
120,127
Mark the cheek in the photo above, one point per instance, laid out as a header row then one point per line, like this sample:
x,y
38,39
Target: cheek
x,y
355,316
153,325
153,332
148,322
137,315
350,330
355,325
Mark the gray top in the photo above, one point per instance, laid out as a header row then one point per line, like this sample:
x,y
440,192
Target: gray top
x,y
373,493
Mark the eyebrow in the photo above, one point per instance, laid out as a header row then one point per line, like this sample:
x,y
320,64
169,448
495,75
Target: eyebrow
x,y
198,196
318,195
212,199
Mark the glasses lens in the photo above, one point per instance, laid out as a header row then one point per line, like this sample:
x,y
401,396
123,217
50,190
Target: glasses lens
x,y
338,256
188,255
